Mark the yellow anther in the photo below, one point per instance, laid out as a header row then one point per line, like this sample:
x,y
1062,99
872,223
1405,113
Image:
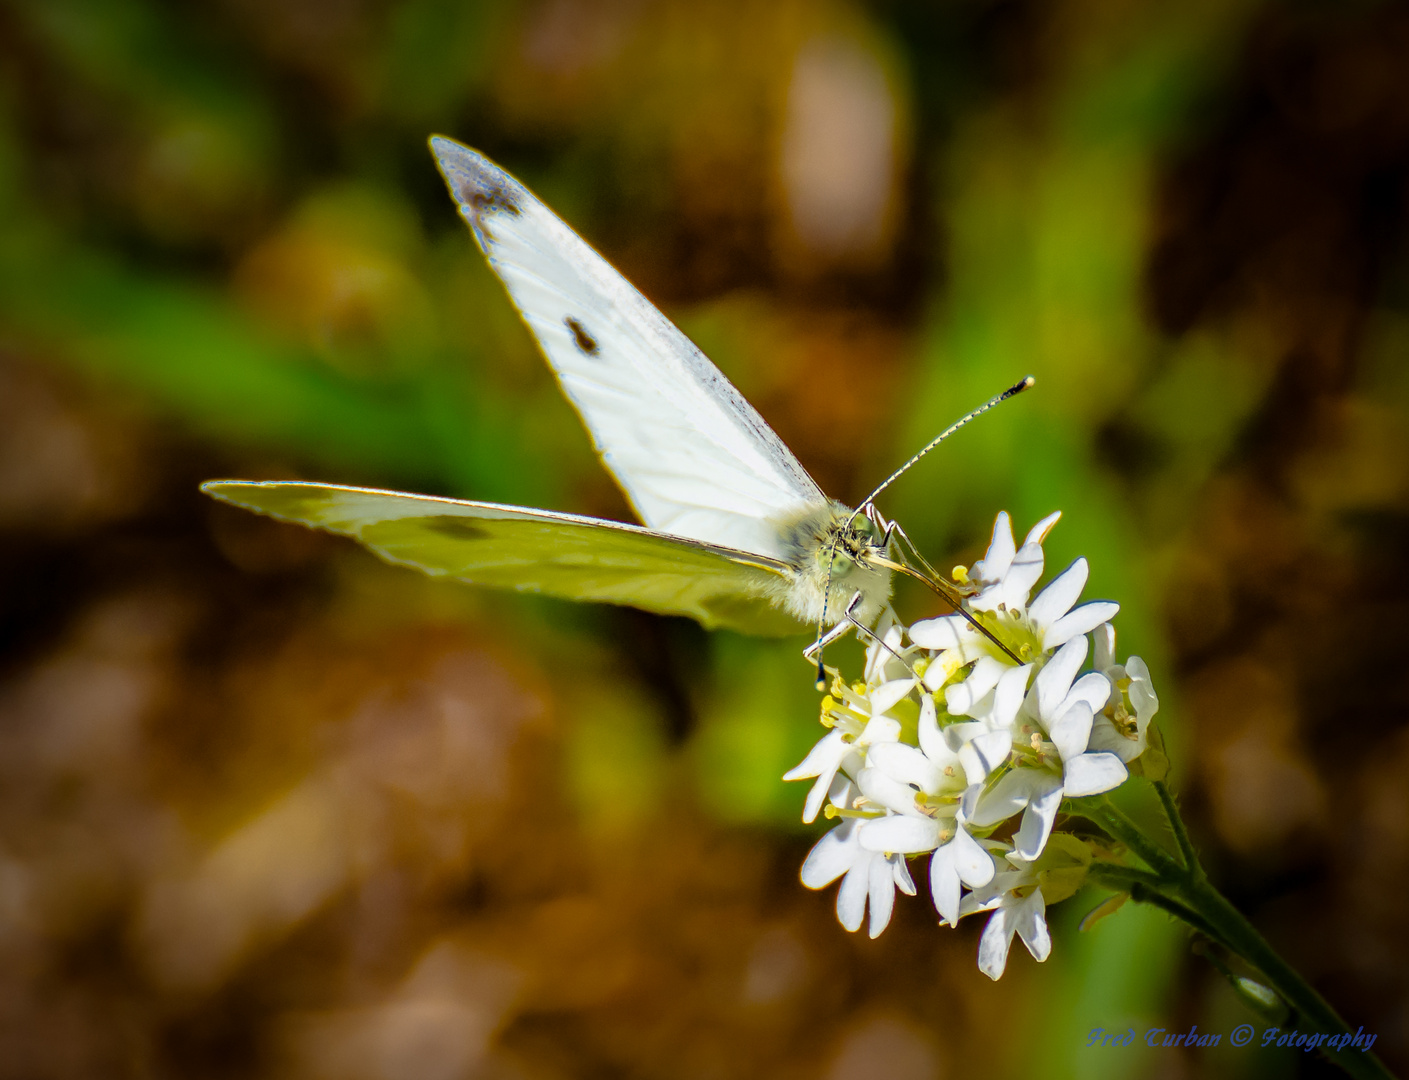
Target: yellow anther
x,y
960,574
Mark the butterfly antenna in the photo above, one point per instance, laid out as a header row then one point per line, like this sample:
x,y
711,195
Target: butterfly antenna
x,y
1012,391
822,622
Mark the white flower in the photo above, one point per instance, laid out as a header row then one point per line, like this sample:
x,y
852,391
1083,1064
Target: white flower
x,y
1115,729
885,656
1055,766
1016,730
1006,577
858,720
1018,907
1006,573
921,787
870,876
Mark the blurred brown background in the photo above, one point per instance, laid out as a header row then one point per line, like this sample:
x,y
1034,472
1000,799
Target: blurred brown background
x,y
270,808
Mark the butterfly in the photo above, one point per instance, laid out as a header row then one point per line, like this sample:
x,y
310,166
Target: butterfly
x,y
736,534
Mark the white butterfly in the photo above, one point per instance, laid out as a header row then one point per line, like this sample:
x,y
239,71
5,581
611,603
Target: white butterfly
x,y
736,533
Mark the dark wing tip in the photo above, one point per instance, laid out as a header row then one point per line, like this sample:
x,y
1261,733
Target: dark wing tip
x,y
475,182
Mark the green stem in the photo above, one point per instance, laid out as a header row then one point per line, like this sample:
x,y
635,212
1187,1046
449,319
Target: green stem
x,y
1115,822
1242,937
1122,878
1176,824
1143,894
1145,888
1183,890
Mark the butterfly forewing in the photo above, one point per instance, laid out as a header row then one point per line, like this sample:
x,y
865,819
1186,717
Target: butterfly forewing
x,y
693,456
577,558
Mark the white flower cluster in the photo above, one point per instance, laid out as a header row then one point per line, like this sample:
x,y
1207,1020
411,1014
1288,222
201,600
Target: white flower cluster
x,y
951,735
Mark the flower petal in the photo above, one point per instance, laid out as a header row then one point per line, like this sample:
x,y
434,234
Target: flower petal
x,y
944,884
887,695
900,872
973,863
1071,731
1091,774
884,790
993,946
1092,688
908,765
842,791
984,899
824,757
832,856
1142,691
961,697
1060,594
881,729
816,796
1025,572
1008,695
883,647
931,738
1037,821
1009,795
957,734
899,833
999,556
881,894
1104,736
1030,921
939,633
1104,636
851,897
1080,620
981,755
1053,682
1038,533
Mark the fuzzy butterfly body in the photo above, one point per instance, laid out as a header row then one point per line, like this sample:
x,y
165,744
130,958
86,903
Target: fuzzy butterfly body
x,y
736,533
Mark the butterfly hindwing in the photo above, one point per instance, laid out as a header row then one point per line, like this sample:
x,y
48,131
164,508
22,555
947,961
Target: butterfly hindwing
x,y
695,459
577,558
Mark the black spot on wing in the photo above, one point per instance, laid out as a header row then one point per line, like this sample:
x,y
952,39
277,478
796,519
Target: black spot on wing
x,y
490,199
584,341
475,181
455,527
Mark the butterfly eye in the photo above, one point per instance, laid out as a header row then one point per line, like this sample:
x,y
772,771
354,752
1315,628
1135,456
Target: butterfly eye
x,y
867,529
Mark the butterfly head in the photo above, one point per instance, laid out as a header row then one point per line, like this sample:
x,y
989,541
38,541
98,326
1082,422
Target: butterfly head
x,y
833,551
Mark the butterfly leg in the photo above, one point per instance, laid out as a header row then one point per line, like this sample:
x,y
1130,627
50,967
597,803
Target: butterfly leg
x,y
848,622
877,638
812,654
